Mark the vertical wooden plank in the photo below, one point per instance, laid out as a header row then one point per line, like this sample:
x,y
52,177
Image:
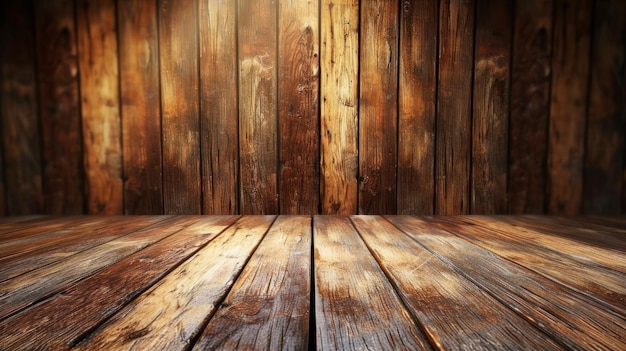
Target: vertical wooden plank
x,y
530,105
604,161
339,63
452,165
298,83
178,47
141,113
490,115
20,123
99,90
416,106
257,24
568,106
57,78
218,106
378,112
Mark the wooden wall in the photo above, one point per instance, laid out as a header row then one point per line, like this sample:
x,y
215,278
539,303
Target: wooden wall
x,y
320,106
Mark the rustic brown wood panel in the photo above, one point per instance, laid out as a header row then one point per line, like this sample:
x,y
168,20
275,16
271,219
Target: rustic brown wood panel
x,y
530,105
268,306
568,106
100,106
355,305
178,47
339,63
604,154
378,110
91,301
416,106
490,115
219,134
454,129
59,109
141,113
18,110
298,107
185,298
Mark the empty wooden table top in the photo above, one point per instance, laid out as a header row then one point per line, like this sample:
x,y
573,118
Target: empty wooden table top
x,y
323,282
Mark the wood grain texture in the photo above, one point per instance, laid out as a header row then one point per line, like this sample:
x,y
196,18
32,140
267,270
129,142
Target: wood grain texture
x,y
566,316
355,305
406,263
59,107
298,107
141,112
378,109
18,111
568,106
416,106
23,230
604,153
268,306
91,301
178,48
100,106
258,106
454,128
490,115
339,63
530,105
219,134
172,312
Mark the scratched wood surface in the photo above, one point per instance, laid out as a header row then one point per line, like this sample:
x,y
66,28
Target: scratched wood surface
x,y
322,282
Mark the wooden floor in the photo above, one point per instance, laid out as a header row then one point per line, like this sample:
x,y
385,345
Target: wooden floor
x,y
298,282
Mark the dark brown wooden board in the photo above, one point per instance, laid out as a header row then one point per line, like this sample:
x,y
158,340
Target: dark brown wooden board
x,y
355,305
568,105
59,107
572,319
12,226
490,115
100,106
268,306
339,64
140,106
21,141
91,301
416,106
219,134
531,67
298,107
258,106
178,50
613,222
454,97
170,314
604,153
378,106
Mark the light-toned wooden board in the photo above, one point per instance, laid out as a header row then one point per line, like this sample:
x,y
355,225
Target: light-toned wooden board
x,y
171,314
219,136
416,106
298,106
378,106
339,64
442,300
490,115
258,106
268,306
140,106
356,307
573,320
592,271
62,320
26,289
100,105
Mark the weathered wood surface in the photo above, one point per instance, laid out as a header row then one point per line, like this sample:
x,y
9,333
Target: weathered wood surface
x,y
327,282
